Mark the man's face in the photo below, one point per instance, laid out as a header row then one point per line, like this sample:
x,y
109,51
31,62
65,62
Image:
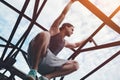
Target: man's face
x,y
69,31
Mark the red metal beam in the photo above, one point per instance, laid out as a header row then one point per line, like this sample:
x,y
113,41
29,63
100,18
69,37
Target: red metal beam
x,y
100,15
117,43
77,52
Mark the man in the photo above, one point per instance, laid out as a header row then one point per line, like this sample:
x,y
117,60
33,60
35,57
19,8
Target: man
x,y
46,45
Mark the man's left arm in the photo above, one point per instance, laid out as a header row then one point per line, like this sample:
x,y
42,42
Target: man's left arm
x,y
73,45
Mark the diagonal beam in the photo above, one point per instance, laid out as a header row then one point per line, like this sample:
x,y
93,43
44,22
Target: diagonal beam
x,y
25,16
15,27
100,15
24,36
101,65
12,46
100,27
35,8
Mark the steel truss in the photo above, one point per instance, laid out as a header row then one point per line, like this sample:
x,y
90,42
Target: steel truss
x,y
8,61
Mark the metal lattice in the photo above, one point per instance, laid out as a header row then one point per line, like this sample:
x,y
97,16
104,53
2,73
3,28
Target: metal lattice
x,y
7,60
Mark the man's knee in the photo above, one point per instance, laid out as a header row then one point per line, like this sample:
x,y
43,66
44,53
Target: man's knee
x,y
76,65
43,36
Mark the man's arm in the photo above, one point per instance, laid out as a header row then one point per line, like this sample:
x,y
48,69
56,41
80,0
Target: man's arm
x,y
55,26
73,45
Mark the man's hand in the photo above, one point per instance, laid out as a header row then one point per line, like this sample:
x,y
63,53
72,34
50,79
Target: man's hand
x,y
74,0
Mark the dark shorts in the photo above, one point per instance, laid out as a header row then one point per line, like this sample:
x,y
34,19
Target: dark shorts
x,y
49,63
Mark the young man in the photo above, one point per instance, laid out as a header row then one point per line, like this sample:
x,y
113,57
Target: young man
x,y
46,45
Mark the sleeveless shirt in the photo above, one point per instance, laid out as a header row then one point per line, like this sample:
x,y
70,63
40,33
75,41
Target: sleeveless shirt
x,y
56,43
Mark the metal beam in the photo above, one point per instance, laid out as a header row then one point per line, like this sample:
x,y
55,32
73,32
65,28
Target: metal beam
x,y
12,46
15,27
100,15
24,36
25,16
117,43
14,71
101,65
77,52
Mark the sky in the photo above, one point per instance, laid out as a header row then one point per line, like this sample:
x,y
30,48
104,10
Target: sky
x,y
85,23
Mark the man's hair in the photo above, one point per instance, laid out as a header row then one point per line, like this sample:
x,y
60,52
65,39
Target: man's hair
x,y
66,24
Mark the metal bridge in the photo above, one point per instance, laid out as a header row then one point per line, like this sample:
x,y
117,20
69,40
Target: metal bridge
x,y
8,59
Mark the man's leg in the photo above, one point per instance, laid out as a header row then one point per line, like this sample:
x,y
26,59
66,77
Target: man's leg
x,y
39,47
67,68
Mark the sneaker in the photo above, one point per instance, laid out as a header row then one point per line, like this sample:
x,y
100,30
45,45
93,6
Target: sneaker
x,y
43,78
29,78
31,75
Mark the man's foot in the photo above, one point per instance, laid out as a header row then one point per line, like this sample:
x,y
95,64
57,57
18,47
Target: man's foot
x,y
43,78
31,75
29,78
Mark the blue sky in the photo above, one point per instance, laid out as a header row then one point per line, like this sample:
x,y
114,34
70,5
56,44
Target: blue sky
x,y
85,24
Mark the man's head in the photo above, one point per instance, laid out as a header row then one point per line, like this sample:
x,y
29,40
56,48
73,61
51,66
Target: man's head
x,y
67,28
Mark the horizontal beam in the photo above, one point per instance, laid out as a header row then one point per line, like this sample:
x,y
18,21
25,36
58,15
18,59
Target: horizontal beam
x,y
117,43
